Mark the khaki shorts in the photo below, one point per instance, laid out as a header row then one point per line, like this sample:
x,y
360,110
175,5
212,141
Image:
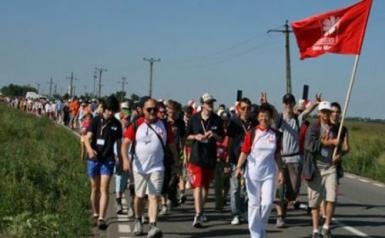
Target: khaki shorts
x,y
148,184
322,186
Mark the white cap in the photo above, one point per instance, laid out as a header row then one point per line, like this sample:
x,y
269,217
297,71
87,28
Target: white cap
x,y
207,98
324,105
124,105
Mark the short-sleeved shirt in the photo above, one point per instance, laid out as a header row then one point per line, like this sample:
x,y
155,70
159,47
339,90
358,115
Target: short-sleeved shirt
x,y
261,153
149,153
204,153
104,134
325,157
236,131
290,128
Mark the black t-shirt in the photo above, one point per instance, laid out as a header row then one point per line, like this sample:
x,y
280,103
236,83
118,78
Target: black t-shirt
x,y
344,132
204,153
104,135
236,131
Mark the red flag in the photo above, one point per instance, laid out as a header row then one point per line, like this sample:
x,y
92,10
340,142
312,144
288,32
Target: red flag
x,y
340,31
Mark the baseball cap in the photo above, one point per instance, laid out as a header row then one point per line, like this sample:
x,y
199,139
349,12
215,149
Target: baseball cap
x,y
324,105
124,105
207,98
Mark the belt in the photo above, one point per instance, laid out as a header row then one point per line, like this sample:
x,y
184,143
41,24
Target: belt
x,y
290,155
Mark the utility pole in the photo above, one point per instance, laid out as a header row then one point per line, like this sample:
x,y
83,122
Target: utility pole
x,y
38,87
50,87
95,78
287,32
100,70
72,88
55,89
85,89
123,86
151,61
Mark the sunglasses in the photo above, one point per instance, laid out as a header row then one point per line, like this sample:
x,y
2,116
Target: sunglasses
x,y
151,109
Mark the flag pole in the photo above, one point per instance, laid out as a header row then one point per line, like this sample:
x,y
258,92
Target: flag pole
x,y
347,100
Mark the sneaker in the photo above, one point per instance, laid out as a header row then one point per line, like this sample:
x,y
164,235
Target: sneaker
x,y
235,221
144,220
197,223
203,218
138,227
154,232
280,222
297,205
316,235
130,213
102,224
182,199
163,210
119,208
326,233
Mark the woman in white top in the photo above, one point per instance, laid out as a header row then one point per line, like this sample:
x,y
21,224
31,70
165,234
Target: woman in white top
x,y
261,149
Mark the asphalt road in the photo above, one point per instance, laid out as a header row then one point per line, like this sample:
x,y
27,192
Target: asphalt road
x,y
360,213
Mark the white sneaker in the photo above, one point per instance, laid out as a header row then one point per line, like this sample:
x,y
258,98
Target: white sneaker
x,y
163,210
197,223
235,221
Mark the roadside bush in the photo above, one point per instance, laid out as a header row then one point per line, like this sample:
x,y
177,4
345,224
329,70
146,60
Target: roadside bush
x,y
44,188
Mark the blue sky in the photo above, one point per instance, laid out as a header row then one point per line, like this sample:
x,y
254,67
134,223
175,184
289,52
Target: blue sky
x,y
217,46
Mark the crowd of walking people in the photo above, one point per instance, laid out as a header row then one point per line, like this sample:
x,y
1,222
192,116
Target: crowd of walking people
x,y
256,157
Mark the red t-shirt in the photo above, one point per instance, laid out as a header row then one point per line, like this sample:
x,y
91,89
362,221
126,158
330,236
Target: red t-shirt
x,y
129,133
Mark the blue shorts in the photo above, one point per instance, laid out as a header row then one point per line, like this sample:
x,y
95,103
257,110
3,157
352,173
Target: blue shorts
x,y
95,167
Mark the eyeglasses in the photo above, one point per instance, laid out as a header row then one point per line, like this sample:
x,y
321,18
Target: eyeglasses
x,y
151,109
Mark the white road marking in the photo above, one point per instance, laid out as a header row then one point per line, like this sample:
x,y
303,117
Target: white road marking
x,y
124,228
350,229
379,185
351,176
364,180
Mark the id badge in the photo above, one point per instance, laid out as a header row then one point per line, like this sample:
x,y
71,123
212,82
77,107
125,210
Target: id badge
x,y
324,152
100,142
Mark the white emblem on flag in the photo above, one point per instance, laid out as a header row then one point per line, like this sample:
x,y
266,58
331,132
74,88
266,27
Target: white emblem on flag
x,y
329,27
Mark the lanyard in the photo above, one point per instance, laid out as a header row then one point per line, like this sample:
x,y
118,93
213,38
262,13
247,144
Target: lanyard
x,y
203,126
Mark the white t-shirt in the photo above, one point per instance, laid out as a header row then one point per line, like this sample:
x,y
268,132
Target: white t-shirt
x,y
261,160
149,154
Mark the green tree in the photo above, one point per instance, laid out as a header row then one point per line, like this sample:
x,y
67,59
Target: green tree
x,y
15,90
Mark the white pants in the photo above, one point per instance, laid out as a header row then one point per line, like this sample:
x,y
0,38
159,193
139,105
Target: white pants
x,y
261,197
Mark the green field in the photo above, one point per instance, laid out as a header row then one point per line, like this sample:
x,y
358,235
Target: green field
x,y
367,155
44,190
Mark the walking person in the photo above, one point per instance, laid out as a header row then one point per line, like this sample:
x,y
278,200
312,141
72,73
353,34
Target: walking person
x,y
320,142
102,134
150,138
205,129
261,149
289,124
236,131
